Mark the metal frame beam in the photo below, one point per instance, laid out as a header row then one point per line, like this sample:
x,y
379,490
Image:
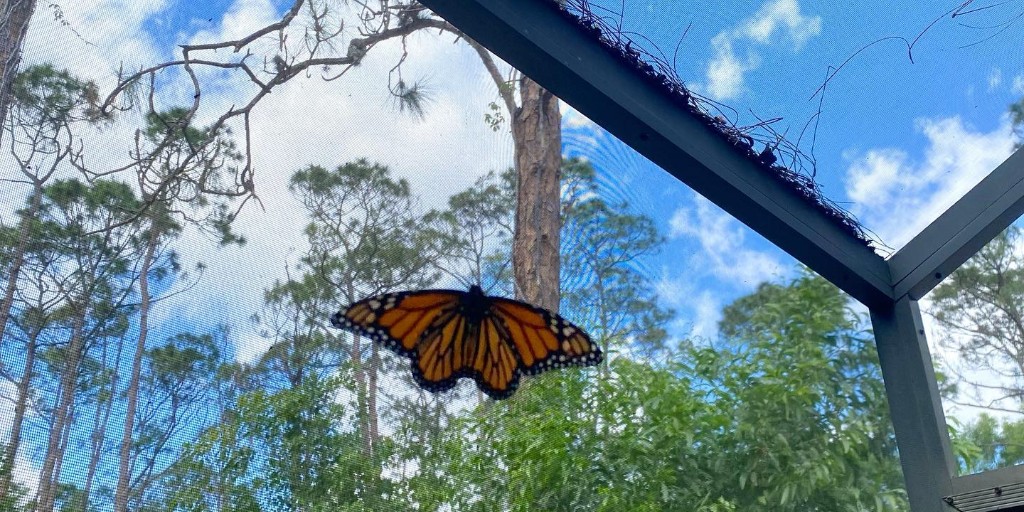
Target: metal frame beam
x,y
914,405
539,41
961,231
1002,477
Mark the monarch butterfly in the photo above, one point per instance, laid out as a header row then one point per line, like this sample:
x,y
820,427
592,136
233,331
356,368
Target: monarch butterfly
x,y
450,334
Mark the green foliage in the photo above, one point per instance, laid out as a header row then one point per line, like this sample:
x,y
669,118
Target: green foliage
x,y
50,99
17,498
91,232
988,443
789,417
980,307
1017,120
803,415
364,233
785,413
184,178
496,117
602,284
285,450
473,237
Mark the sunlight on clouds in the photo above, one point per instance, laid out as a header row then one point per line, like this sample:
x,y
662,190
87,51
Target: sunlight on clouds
x,y
579,133
249,348
311,121
721,264
572,118
110,37
723,247
707,311
877,177
726,71
896,196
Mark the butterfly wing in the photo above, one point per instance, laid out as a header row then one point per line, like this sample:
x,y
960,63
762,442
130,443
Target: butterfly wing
x,y
492,360
398,320
542,339
430,327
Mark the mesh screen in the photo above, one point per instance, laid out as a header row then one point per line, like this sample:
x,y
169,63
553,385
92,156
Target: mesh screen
x,y
193,190
973,330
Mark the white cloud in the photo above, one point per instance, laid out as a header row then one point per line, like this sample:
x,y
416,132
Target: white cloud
x,y
241,19
707,311
697,311
307,121
249,348
995,79
781,15
896,196
724,252
726,71
721,264
1018,84
96,39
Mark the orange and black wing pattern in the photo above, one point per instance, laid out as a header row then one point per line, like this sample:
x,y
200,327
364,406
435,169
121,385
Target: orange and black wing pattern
x,y
450,334
542,339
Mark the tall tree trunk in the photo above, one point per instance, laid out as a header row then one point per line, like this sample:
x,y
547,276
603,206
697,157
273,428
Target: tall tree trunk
x,y
537,134
124,456
65,438
359,372
99,431
76,348
11,450
18,258
371,398
14,18
361,395
97,439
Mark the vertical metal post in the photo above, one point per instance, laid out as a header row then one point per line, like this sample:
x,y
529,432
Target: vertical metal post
x,y
917,417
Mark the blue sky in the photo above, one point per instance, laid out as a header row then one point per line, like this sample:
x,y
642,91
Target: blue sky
x,y
898,141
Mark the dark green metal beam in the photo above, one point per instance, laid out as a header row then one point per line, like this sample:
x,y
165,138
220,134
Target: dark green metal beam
x,y
961,231
915,405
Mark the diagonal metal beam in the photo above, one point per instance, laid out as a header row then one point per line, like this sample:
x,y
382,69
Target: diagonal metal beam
x,y
535,38
961,231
